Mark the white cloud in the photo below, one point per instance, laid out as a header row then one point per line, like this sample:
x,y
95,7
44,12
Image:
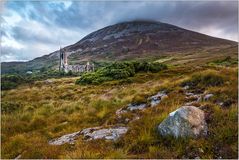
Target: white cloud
x,y
218,32
10,42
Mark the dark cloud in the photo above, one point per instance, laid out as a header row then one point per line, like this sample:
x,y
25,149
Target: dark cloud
x,y
43,22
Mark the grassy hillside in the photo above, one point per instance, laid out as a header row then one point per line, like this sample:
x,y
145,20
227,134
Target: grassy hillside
x,y
34,114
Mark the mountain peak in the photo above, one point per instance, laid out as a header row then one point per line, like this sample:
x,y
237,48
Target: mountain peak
x,y
140,21
141,36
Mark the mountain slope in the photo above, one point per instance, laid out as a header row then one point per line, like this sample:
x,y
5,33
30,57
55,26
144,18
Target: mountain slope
x,y
131,40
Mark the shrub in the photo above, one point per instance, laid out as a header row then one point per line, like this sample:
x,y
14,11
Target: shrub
x,y
227,61
11,81
119,70
156,67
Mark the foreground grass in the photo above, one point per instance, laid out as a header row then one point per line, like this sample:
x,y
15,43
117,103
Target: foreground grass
x,y
37,113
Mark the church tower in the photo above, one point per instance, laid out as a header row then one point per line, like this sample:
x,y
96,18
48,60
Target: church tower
x,y
63,61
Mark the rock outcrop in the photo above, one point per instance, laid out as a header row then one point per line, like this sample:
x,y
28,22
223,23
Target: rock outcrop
x,y
187,121
68,138
108,133
208,96
90,134
156,99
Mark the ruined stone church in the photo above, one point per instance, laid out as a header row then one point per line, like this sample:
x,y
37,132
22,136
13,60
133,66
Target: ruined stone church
x,y
65,67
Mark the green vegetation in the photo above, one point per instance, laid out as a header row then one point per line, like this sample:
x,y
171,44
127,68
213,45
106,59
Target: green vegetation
x,y
119,70
13,80
228,61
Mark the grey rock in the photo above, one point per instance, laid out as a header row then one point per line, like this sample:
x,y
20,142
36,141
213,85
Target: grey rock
x,y
136,118
190,103
226,104
120,111
18,157
48,81
89,130
68,138
108,134
189,94
186,87
132,107
91,134
127,120
187,121
207,97
156,99
194,97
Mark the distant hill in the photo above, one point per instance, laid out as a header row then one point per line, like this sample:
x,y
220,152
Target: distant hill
x,y
127,40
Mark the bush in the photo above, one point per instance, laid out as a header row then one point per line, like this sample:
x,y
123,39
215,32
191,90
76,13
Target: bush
x,y
11,81
227,61
119,70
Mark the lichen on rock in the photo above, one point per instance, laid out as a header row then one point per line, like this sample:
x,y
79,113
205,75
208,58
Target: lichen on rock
x,y
187,121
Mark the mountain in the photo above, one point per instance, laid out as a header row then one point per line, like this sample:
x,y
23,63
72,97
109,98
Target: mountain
x,y
129,40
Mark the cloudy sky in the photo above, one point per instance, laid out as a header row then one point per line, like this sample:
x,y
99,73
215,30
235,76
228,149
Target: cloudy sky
x,y
30,29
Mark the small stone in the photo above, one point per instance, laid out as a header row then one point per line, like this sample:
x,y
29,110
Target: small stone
x,y
189,94
127,120
132,107
207,97
227,103
156,99
18,157
190,103
201,150
120,111
48,81
186,87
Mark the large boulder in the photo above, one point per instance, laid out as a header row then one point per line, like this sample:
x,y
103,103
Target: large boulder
x,y
187,121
